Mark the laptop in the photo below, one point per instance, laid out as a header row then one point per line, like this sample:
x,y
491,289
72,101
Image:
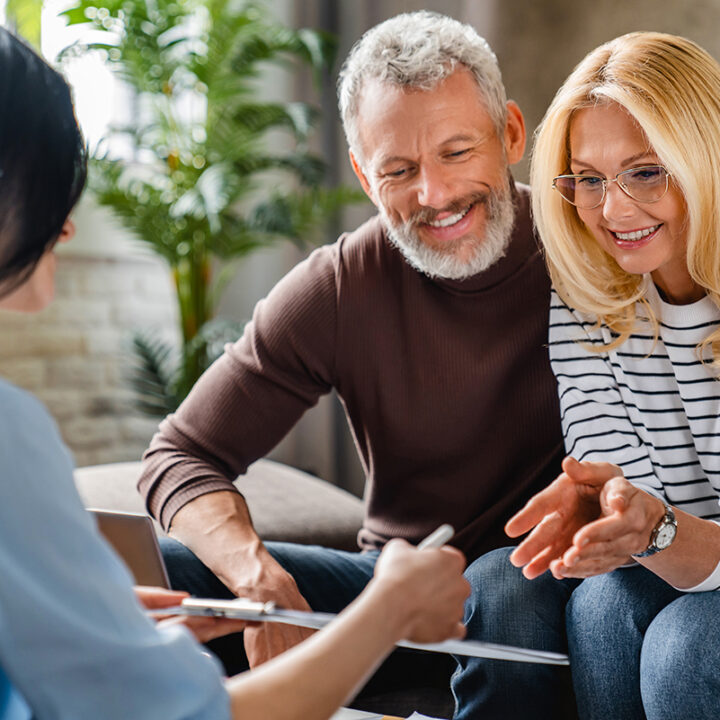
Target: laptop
x,y
133,537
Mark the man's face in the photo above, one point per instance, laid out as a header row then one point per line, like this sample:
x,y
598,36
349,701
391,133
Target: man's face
x,y
433,164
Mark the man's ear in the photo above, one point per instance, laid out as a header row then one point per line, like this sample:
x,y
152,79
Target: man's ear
x,y
361,177
515,135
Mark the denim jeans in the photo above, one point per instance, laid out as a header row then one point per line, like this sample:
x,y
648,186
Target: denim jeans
x,y
503,608
641,649
506,608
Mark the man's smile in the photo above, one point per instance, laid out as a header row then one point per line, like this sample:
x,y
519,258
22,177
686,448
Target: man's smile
x,y
452,226
450,219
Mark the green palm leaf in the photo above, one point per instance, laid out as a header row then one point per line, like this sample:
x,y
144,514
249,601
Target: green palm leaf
x,y
206,180
152,375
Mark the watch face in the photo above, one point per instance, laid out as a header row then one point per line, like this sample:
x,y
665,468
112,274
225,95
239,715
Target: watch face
x,y
665,536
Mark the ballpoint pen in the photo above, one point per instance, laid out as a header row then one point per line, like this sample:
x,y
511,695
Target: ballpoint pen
x,y
437,538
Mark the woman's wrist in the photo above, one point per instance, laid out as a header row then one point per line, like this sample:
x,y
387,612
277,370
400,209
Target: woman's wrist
x,y
654,510
383,596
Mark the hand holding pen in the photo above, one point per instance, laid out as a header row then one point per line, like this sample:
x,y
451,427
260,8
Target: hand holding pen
x,y
429,580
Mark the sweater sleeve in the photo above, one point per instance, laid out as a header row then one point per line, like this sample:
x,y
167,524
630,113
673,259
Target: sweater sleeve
x,y
595,421
249,399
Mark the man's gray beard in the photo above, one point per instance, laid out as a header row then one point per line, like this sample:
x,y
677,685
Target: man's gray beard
x,y
444,263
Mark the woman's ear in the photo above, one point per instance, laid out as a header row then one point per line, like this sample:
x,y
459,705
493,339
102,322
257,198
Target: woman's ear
x,y
68,231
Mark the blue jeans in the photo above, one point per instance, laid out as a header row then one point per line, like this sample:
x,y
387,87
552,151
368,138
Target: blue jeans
x,y
503,608
641,649
506,608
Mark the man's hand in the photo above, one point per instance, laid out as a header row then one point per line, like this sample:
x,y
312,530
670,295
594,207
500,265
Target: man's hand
x,y
426,587
265,580
203,628
218,529
557,513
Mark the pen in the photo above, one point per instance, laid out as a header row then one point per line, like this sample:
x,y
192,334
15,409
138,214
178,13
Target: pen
x,y
437,538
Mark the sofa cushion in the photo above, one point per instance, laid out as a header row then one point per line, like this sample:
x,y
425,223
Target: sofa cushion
x,y
285,503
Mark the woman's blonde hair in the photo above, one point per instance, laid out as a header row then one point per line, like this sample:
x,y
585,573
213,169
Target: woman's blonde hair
x,y
671,87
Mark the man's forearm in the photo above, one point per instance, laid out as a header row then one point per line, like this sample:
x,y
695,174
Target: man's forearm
x,y
218,528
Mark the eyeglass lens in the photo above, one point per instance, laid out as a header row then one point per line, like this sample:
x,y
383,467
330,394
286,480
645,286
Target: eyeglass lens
x,y
644,184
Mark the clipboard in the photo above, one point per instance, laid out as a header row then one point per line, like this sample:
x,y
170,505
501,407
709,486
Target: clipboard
x,y
244,609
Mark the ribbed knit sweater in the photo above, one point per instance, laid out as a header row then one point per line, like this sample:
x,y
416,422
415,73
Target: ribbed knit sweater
x,y
446,384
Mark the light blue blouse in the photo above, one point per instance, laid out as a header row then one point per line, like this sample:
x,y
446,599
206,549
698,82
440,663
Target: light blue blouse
x,y
74,642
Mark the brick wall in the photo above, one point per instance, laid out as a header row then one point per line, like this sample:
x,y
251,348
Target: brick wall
x,y
75,354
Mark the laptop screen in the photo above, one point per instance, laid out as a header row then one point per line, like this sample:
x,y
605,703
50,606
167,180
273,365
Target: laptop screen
x,y
134,540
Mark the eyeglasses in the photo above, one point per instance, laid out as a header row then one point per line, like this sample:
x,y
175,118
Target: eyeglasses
x,y
646,184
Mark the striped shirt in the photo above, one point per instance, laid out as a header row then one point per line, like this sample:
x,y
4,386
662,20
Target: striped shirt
x,y
651,407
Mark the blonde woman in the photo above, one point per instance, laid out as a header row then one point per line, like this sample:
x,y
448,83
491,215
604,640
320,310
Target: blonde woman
x,y
626,197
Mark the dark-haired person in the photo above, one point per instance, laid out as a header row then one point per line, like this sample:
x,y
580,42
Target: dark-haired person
x,y
74,642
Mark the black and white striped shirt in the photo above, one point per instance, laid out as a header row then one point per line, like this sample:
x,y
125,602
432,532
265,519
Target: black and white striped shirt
x,y
653,408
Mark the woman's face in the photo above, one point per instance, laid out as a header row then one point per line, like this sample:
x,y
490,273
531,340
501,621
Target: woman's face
x,y
641,237
37,292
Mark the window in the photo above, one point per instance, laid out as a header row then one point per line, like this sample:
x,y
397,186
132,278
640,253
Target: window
x,y
100,98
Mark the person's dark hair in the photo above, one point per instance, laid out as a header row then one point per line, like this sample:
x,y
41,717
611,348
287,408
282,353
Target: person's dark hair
x,y
42,159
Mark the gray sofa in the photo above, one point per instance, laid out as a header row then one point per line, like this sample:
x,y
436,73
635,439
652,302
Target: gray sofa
x,y
290,505
286,504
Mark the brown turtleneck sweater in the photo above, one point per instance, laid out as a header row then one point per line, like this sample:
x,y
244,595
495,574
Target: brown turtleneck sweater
x,y
446,384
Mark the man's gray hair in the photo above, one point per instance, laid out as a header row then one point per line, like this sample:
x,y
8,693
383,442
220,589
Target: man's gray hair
x,y
418,50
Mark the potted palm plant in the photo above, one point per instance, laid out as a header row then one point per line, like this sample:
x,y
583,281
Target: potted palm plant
x,y
193,188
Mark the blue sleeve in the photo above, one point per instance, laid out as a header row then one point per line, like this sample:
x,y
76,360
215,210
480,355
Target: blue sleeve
x,y
12,704
73,639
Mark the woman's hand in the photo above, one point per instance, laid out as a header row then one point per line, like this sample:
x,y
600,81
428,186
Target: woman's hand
x,y
558,514
157,598
425,589
627,518
203,628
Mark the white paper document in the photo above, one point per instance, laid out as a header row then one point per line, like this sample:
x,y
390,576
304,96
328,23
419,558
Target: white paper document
x,y
243,609
348,714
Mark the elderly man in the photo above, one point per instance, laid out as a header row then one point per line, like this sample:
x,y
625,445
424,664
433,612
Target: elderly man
x,y
430,321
